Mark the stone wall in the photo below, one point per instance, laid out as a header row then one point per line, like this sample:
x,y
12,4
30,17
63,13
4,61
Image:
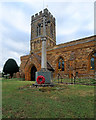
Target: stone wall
x,y
76,55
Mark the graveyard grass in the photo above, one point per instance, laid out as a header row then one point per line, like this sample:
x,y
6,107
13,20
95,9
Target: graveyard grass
x,y
20,100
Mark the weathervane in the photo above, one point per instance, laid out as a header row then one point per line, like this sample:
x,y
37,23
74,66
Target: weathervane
x,y
46,6
43,4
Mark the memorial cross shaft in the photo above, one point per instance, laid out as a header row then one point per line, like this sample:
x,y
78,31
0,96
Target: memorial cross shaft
x,y
44,59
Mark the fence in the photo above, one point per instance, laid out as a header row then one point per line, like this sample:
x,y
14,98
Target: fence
x,y
81,79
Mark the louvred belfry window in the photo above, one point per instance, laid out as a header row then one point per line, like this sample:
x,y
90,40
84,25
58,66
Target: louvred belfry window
x,y
51,30
38,30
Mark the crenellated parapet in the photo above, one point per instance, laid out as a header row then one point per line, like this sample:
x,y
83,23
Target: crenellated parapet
x,y
41,14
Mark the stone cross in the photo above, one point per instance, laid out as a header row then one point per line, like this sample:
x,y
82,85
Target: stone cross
x,y
43,59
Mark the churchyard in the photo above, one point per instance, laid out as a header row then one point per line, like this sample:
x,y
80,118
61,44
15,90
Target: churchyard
x,y
21,100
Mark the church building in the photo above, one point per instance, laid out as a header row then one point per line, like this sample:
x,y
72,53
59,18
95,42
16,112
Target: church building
x,y
75,58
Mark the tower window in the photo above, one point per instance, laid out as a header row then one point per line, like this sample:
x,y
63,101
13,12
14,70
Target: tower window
x,y
38,30
51,30
61,64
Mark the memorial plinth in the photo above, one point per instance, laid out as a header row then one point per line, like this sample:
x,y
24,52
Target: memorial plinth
x,y
46,74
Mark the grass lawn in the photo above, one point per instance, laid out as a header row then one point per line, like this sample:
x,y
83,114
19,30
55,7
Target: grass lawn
x,y
19,100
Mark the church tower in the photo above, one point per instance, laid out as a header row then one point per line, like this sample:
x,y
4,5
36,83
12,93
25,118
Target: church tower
x,y
37,30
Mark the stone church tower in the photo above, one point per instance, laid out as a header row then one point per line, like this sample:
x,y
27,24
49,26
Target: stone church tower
x,y
37,30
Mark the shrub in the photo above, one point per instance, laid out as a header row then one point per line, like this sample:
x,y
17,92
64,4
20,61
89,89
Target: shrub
x,y
10,67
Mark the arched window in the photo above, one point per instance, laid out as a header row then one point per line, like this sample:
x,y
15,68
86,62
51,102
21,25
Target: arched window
x,y
61,64
93,61
51,30
38,30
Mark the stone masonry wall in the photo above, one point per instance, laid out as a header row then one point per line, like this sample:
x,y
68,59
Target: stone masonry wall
x,y
76,55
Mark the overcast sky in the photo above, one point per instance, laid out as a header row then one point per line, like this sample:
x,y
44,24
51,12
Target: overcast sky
x,y
74,20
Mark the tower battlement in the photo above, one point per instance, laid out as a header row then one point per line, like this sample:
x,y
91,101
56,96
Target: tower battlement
x,y
41,14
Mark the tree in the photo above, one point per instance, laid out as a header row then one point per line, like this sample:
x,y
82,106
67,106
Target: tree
x,y
10,67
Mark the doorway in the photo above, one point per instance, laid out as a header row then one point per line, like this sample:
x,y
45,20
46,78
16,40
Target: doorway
x,y
33,70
